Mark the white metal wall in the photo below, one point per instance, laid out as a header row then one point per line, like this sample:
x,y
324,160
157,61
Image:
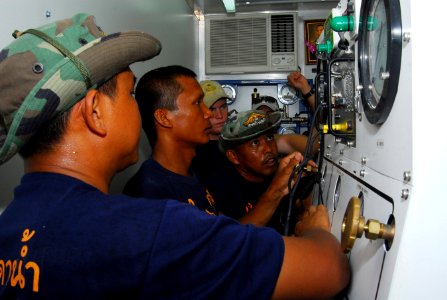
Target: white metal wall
x,y
422,262
409,141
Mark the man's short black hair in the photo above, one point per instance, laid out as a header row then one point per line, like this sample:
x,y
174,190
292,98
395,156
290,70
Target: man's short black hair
x,y
158,88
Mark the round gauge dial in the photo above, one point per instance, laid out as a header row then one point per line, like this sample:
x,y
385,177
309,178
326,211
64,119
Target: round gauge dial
x,y
380,49
231,93
287,95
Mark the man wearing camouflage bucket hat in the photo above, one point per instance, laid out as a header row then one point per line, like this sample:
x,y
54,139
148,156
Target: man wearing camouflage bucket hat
x,y
76,124
249,144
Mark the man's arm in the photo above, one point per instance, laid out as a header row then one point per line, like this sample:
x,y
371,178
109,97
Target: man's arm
x,y
300,83
314,265
288,143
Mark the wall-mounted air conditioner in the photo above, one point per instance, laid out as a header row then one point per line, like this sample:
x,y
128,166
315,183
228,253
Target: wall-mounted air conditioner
x,y
254,43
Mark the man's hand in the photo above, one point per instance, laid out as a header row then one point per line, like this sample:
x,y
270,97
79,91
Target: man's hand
x,y
285,169
299,82
313,218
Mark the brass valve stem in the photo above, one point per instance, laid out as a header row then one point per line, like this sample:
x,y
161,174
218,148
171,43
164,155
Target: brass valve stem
x,y
354,225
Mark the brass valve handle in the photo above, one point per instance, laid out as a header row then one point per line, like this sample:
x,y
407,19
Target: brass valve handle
x,y
354,225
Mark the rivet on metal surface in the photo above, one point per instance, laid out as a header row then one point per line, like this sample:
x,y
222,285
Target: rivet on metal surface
x,y
405,194
363,160
407,176
362,173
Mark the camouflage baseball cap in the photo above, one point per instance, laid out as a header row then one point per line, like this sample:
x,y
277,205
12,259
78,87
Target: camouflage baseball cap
x,y
246,126
213,92
47,70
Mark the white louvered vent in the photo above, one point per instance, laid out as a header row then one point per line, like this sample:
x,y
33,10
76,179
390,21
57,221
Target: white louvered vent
x,y
238,42
283,33
250,43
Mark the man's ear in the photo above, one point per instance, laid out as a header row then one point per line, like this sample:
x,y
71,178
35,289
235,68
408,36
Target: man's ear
x,y
161,116
93,112
232,156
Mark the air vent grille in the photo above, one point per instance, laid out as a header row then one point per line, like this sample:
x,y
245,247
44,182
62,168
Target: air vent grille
x,y
238,42
250,43
283,33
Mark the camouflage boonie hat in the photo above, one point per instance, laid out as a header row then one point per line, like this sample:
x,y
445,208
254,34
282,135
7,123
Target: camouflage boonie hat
x,y
246,126
213,91
47,70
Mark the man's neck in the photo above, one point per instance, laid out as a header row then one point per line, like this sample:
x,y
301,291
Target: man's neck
x,y
174,159
73,166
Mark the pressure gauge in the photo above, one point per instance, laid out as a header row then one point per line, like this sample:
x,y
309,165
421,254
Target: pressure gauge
x,y
287,95
231,93
380,50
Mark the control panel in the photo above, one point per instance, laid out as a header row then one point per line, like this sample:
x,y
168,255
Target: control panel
x,y
363,92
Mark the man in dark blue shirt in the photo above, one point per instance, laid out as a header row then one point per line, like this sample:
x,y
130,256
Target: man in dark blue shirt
x,y
175,120
249,145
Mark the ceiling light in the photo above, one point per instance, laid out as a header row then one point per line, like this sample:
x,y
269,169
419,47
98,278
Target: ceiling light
x,y
230,6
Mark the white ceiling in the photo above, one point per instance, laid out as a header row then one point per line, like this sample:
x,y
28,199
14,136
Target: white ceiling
x,y
243,6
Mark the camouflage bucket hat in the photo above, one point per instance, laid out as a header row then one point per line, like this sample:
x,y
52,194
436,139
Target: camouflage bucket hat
x,y
46,70
246,126
213,92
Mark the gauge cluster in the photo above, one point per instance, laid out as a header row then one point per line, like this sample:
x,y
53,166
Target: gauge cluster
x,y
296,114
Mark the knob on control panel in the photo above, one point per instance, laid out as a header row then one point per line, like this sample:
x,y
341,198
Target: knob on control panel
x,y
354,225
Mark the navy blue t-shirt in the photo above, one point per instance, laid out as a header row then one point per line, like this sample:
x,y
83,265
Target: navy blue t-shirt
x,y
154,181
208,160
61,238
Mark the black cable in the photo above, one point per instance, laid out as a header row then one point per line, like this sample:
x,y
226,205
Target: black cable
x,y
298,170
292,191
320,166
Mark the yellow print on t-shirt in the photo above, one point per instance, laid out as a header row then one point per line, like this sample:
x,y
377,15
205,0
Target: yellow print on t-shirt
x,y
11,271
210,199
212,204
